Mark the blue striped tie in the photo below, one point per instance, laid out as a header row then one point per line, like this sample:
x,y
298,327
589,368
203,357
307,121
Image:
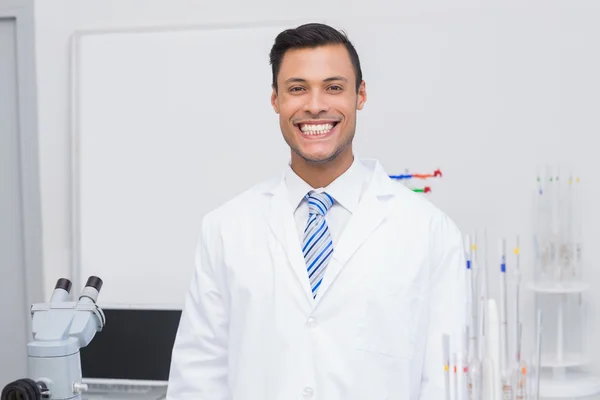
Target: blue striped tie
x,y
317,245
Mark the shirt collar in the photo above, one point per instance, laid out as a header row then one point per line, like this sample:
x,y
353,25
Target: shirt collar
x,y
346,189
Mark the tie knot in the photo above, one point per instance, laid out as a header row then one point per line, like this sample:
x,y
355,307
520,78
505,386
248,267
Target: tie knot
x,y
319,203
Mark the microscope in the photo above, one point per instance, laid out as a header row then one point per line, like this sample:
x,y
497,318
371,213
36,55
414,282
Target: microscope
x,y
60,328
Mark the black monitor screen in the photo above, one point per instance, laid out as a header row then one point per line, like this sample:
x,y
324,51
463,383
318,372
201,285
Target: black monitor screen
x,y
134,344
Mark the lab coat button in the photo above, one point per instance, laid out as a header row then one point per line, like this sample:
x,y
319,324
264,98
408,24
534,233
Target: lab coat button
x,y
307,393
311,322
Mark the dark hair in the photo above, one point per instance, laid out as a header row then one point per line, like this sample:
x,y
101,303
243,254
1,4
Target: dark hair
x,y
310,36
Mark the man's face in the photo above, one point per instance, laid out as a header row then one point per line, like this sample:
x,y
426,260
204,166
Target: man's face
x,y
317,101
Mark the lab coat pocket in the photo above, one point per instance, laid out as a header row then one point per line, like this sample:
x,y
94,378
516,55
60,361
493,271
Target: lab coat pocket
x,y
388,320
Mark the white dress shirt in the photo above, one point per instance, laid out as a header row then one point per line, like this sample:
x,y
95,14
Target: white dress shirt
x,y
346,190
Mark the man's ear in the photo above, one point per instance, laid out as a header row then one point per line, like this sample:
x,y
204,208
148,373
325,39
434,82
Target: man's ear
x,y
361,96
274,99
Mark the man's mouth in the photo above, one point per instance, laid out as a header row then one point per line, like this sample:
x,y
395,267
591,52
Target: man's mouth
x,y
316,128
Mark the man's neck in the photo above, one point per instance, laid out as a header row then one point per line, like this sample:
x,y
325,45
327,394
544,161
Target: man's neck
x,y
321,175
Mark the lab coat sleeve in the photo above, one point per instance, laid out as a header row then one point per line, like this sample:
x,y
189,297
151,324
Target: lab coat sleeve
x,y
199,364
446,304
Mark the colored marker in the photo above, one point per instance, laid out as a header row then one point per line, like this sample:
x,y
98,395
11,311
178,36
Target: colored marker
x,y
436,173
426,189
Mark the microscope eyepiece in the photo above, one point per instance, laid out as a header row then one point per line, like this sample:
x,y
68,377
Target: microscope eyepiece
x,y
61,291
91,289
63,283
94,282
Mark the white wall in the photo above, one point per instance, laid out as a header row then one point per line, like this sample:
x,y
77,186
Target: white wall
x,y
55,23
57,20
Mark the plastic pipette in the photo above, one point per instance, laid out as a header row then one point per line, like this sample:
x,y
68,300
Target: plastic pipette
x,y
519,340
521,373
491,363
474,290
455,376
503,306
482,297
538,355
474,376
521,384
517,337
446,361
504,369
469,297
465,365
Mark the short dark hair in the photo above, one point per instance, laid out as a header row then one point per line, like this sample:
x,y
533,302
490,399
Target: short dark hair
x,y
310,36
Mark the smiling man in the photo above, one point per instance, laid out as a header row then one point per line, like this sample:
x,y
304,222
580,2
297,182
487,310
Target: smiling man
x,y
331,281
316,92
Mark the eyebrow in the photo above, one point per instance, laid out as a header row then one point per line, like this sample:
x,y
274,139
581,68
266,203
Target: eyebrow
x,y
330,79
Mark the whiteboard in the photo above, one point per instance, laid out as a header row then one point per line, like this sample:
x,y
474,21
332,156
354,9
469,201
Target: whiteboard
x,y
168,124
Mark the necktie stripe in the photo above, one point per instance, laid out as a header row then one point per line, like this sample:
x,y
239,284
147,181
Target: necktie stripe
x,y
314,290
323,203
330,198
321,252
319,271
317,244
325,231
310,222
310,254
314,203
324,259
312,228
321,226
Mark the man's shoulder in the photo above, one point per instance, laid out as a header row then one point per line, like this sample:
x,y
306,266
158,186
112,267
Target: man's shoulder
x,y
244,204
421,209
400,199
406,198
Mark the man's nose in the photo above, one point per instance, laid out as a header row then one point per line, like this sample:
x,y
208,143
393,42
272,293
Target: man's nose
x,y
316,104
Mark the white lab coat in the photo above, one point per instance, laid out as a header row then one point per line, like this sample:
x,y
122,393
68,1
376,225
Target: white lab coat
x,y
250,329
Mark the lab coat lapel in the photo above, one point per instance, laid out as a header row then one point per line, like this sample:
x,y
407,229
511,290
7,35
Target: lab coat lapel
x,y
368,216
280,218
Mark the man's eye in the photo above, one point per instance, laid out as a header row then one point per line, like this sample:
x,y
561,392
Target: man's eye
x,y
335,87
296,89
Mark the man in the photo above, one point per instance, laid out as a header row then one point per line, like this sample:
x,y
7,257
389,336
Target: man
x,y
331,281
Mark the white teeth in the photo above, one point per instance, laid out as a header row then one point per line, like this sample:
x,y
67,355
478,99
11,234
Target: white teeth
x,y
316,129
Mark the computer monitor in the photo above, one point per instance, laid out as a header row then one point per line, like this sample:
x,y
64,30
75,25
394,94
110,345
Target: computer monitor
x,y
135,344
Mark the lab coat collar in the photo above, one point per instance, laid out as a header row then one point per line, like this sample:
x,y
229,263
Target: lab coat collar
x,y
346,189
369,214
380,182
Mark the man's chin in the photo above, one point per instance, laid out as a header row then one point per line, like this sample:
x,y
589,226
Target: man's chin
x,y
318,159
321,156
